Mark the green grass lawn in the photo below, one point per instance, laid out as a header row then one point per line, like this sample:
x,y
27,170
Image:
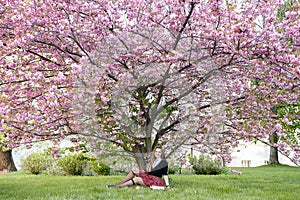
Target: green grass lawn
x,y
268,182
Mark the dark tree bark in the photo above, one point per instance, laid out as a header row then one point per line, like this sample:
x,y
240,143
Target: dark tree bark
x,y
6,160
273,159
139,155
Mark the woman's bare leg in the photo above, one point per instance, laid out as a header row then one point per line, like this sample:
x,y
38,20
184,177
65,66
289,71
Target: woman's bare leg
x,y
136,180
130,175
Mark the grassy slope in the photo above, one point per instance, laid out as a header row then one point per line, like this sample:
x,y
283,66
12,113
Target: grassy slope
x,y
269,182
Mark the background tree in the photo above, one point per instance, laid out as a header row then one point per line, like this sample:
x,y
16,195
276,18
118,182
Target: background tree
x,y
152,59
289,6
292,6
291,126
6,159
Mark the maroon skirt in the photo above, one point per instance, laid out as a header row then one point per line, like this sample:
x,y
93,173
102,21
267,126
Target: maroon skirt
x,y
151,180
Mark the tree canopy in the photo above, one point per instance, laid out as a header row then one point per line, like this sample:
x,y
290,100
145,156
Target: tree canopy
x,y
146,73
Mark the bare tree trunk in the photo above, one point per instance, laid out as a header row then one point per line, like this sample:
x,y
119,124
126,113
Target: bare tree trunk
x,y
139,153
6,160
273,159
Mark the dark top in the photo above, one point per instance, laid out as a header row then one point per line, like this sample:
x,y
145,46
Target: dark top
x,y
160,169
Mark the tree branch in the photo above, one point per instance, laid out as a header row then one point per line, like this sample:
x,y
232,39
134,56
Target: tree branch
x,y
184,25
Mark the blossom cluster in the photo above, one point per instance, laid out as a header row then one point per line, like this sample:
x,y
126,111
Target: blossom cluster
x,y
235,171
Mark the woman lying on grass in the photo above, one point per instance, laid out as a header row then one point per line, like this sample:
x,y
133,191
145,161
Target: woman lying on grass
x,y
156,169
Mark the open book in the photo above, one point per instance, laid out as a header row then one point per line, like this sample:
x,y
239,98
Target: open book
x,y
154,187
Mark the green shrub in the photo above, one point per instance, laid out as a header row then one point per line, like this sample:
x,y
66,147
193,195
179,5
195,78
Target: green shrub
x,y
173,170
207,165
55,170
73,164
100,168
37,162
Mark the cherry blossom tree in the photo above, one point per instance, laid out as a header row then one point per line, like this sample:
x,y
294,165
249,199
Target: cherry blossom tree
x,y
282,110
145,73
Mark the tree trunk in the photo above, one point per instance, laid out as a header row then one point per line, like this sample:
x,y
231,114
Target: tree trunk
x,y
6,160
273,159
139,155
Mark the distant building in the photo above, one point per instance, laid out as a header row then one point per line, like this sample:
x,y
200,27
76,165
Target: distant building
x,y
249,155
253,155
